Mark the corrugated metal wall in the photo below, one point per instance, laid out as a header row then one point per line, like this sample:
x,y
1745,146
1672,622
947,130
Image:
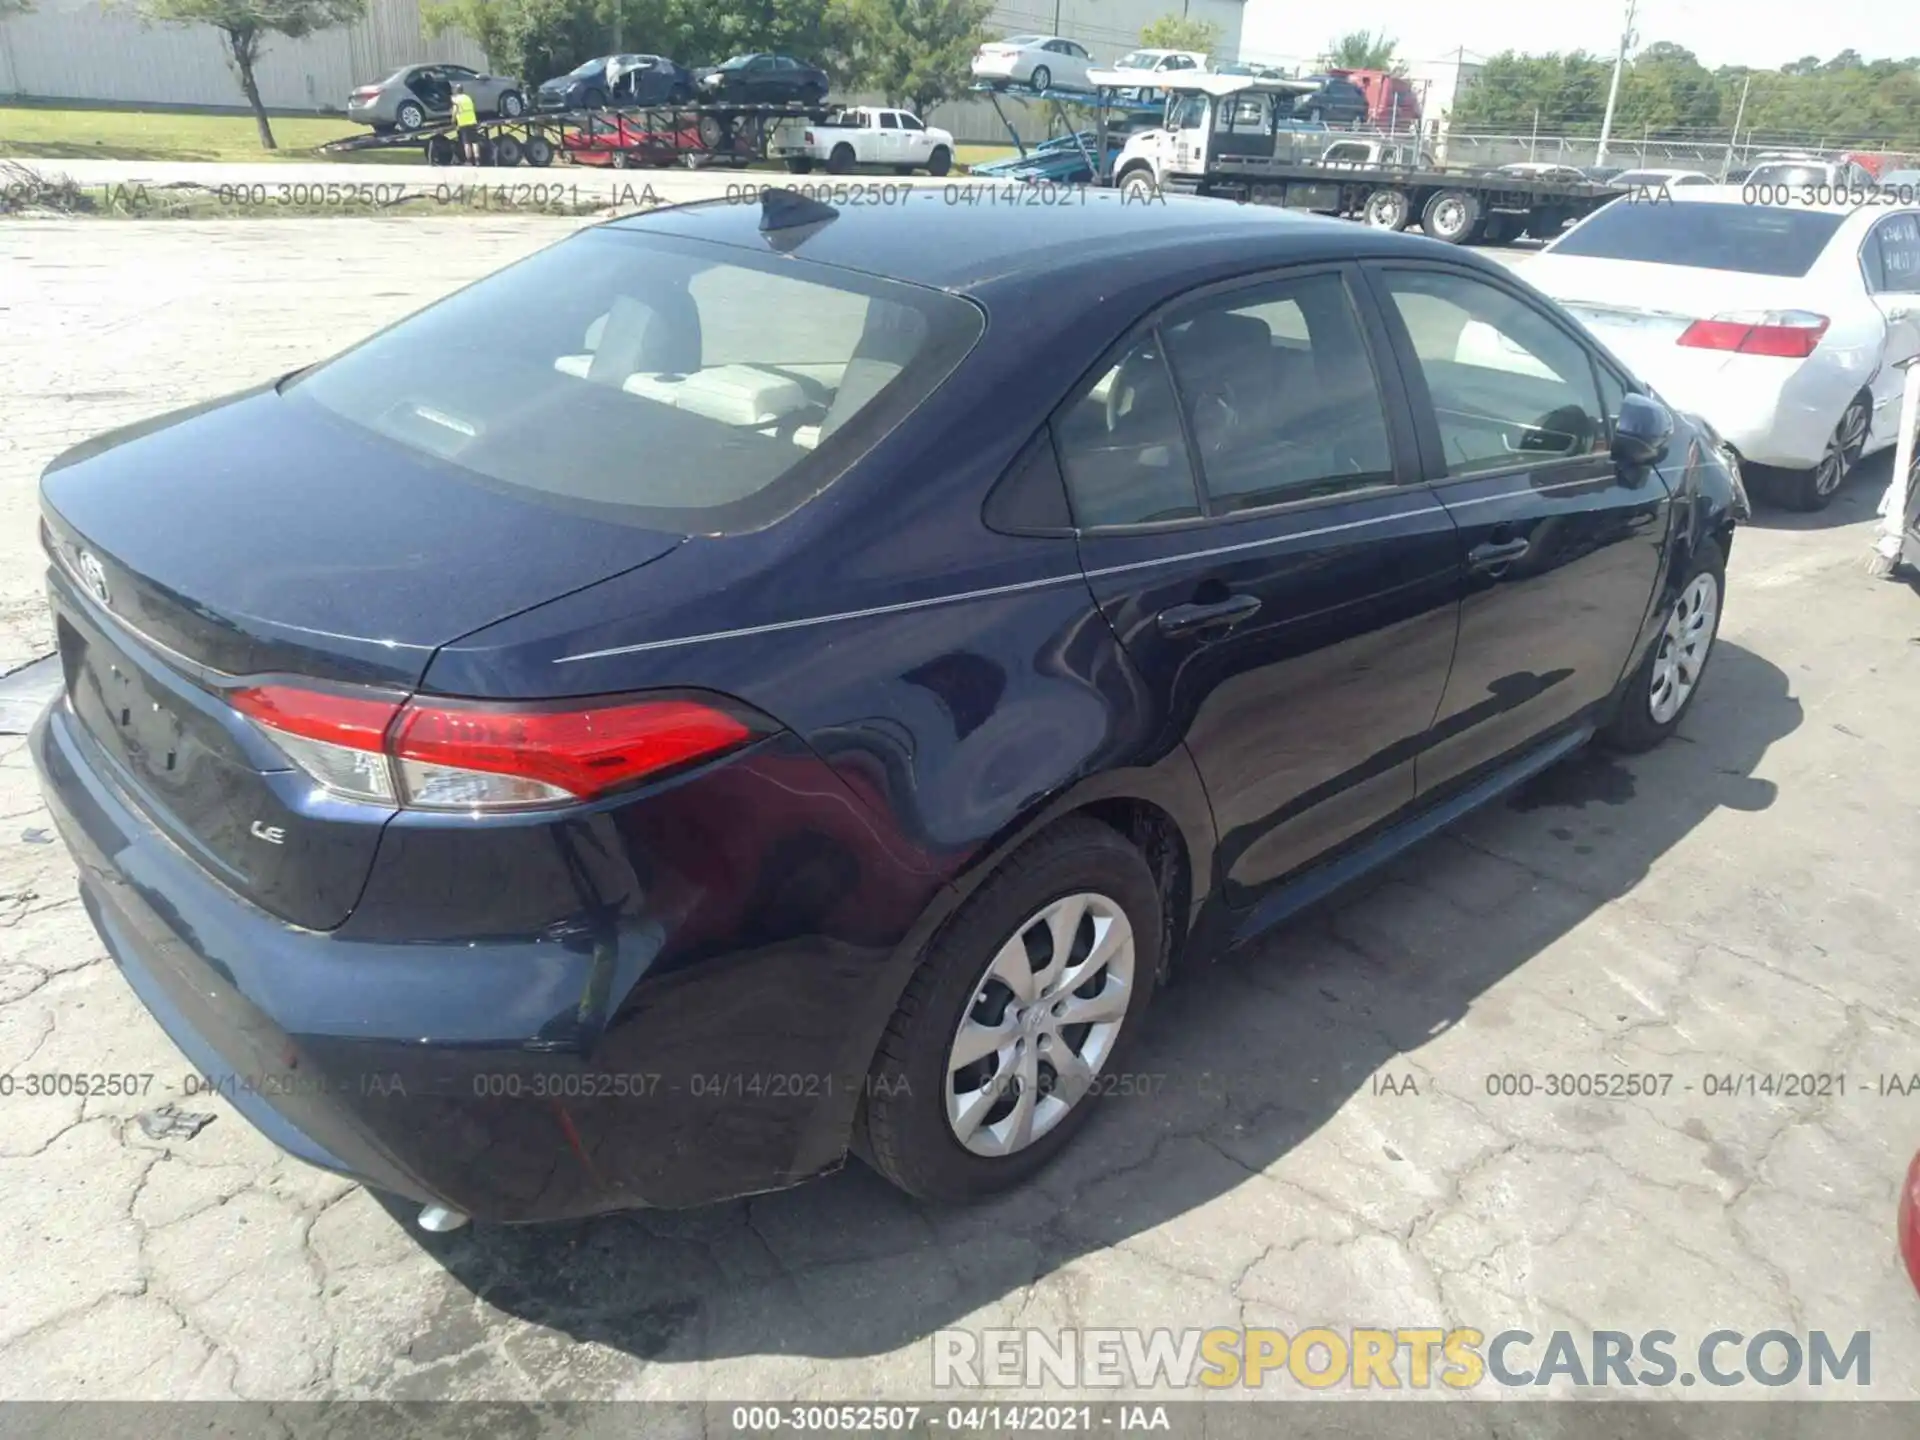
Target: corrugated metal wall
x,y
87,51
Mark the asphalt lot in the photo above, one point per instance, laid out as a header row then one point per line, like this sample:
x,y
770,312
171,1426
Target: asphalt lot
x,y
1738,903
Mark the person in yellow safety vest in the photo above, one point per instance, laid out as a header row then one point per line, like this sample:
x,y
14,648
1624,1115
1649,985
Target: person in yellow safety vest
x,y
467,117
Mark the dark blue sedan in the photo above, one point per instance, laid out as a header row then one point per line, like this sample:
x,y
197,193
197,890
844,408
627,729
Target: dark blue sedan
x,y
756,681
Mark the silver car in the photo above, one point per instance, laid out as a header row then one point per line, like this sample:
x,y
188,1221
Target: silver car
x,y
409,98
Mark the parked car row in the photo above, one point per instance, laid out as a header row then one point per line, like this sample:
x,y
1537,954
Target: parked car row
x,y
420,95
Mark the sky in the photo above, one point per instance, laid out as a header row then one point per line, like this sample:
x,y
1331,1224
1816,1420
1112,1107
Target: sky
x,y
1759,33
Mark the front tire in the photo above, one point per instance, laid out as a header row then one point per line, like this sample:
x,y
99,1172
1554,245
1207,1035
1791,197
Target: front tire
x,y
538,151
1033,990
940,162
512,105
1655,697
1388,210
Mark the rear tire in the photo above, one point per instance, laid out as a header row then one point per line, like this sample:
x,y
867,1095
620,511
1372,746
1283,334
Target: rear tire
x,y
410,116
1814,489
506,151
799,165
915,1089
1041,79
538,151
840,161
1656,696
1452,216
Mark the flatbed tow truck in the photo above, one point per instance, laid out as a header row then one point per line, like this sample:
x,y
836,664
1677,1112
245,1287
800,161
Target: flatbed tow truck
x,y
626,136
1230,137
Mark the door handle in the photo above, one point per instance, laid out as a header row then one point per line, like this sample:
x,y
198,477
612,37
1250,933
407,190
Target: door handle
x,y
1497,553
1217,615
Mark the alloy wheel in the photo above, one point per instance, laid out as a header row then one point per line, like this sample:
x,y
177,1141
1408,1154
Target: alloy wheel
x,y
1045,1016
1684,644
1843,450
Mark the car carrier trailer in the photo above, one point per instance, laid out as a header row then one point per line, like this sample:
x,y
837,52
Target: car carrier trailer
x,y
1229,137
690,135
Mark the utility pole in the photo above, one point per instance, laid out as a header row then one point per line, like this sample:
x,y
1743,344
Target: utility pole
x,y
1627,41
1738,116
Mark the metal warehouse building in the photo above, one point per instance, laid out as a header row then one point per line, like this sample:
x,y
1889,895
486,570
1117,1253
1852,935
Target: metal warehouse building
x,y
83,50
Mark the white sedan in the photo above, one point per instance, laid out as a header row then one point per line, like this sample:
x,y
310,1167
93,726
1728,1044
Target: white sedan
x,y
1781,324
1042,62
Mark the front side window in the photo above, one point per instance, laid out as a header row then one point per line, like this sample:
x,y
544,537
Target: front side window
x,y
1280,395
667,382
910,122
1121,447
1509,386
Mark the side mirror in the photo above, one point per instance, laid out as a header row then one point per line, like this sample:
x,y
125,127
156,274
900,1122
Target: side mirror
x,y
1642,433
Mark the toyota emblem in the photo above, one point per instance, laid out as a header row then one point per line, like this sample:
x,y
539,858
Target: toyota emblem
x,y
94,576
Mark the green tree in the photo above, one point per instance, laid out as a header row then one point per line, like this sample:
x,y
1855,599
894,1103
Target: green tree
x,y
14,7
245,26
1363,50
915,52
1180,32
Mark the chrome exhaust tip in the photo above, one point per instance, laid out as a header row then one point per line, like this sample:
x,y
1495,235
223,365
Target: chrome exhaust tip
x,y
439,1219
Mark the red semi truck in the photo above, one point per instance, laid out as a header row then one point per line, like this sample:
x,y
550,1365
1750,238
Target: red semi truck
x,y
1393,101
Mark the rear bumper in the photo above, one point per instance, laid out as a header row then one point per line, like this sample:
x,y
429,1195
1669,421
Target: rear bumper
x,y
649,1055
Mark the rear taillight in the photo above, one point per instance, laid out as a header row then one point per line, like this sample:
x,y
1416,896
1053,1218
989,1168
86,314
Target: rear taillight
x,y
1788,334
809,139
366,92
430,754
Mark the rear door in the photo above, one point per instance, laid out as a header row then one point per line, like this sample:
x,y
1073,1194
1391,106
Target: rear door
x,y
1560,547
1254,529
1890,269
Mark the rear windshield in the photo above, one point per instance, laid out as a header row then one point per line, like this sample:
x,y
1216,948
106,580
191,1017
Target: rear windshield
x,y
1791,175
666,382
1754,239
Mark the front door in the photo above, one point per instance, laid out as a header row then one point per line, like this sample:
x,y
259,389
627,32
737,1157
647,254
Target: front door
x,y
1255,531
1560,546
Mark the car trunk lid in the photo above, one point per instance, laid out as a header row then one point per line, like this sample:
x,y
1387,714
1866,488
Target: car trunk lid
x,y
1640,310
259,537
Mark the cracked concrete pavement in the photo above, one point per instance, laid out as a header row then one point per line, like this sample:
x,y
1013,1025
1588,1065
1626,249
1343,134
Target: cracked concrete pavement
x,y
1321,1146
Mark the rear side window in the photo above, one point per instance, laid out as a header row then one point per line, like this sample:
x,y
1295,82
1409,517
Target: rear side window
x,y
1121,447
1752,239
1280,395
676,384
1893,255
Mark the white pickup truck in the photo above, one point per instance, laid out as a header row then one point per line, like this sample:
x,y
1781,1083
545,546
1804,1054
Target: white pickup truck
x,y
862,136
